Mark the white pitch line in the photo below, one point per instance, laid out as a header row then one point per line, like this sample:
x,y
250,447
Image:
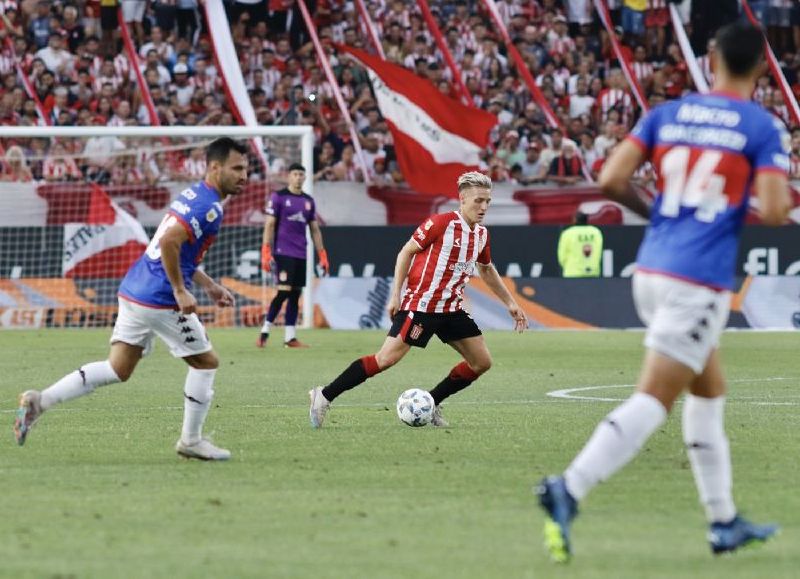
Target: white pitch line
x,y
567,393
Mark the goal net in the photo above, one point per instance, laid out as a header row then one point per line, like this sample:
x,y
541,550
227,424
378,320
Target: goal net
x,y
79,204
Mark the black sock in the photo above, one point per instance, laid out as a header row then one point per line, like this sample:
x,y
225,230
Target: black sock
x,y
459,378
275,305
448,387
354,375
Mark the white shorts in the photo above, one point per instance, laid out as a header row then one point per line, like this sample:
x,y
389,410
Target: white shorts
x,y
133,10
684,320
139,325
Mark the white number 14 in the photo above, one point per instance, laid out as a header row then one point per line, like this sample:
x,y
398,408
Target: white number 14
x,y
701,187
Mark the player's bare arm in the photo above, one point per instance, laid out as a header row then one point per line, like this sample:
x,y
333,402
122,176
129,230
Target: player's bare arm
x,y
407,253
615,177
316,237
269,231
491,278
170,244
217,292
774,202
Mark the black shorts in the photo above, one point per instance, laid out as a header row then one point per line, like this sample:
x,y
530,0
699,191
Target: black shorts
x,y
290,271
416,328
108,18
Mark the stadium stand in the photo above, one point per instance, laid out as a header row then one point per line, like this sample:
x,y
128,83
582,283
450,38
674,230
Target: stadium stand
x,y
63,63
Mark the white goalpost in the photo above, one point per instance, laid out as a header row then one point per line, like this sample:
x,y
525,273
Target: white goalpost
x,y
77,203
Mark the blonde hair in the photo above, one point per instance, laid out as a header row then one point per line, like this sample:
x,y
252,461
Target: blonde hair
x,y
474,179
15,153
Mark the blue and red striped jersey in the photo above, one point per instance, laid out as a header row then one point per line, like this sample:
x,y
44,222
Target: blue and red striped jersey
x,y
199,211
706,149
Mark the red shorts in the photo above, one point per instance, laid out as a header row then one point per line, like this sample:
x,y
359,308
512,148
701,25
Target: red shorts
x,y
656,17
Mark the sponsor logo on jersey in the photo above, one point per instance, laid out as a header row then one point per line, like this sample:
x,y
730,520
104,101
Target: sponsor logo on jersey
x,y
308,205
457,242
462,266
420,234
299,217
428,224
189,194
180,207
211,215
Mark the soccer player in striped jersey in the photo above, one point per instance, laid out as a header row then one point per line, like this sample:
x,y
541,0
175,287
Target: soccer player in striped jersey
x,y
710,151
436,263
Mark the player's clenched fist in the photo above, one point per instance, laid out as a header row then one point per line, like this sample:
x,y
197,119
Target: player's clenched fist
x,y
323,261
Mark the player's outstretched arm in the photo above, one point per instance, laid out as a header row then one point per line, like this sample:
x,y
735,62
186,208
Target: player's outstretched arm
x,y
774,201
491,278
407,253
615,177
217,292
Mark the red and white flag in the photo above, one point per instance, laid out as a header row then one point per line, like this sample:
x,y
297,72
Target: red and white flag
x,y
436,138
106,244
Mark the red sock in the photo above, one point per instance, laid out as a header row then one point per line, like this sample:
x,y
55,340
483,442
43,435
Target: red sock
x,y
370,364
462,371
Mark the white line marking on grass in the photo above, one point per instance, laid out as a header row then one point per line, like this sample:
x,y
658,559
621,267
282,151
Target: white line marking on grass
x,y
569,393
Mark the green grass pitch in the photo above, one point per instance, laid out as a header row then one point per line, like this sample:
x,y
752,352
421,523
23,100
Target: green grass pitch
x,y
98,490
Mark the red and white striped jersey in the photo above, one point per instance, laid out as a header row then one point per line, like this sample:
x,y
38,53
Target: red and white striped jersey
x,y
642,70
440,271
610,98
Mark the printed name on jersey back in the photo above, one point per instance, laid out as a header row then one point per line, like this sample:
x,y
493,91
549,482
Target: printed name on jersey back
x,y
700,114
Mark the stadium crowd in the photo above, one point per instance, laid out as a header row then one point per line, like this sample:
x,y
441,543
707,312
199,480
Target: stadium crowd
x,y
71,56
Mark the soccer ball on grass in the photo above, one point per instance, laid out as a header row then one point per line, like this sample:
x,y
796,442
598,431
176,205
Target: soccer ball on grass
x,y
415,407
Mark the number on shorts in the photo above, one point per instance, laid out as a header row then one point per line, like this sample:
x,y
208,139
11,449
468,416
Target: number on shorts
x,y
693,186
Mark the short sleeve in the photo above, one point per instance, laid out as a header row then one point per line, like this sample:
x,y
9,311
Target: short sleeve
x,y
772,152
643,134
311,211
430,230
274,205
485,255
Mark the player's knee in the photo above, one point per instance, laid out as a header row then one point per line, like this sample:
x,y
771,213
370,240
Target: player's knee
x,y
482,365
387,360
123,371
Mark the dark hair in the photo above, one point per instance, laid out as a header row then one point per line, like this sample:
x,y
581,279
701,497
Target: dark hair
x,y
296,167
220,149
742,46
581,218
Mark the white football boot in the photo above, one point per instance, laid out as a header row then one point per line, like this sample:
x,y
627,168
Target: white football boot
x,y
319,407
203,450
28,412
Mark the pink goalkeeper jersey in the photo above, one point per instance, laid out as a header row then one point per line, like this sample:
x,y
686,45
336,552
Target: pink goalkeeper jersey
x,y
440,271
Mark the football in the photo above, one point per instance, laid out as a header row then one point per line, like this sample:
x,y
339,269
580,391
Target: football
x,y
415,407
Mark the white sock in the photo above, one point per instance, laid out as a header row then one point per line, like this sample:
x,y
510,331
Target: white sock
x,y
709,455
290,333
79,383
197,395
265,327
616,440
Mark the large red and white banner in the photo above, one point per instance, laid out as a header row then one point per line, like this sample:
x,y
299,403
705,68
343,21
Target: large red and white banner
x,y
231,72
436,137
106,244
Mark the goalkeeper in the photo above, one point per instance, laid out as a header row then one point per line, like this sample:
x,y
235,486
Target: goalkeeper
x,y
283,252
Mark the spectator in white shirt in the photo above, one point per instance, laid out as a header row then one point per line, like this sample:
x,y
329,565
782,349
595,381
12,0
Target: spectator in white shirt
x,y
55,57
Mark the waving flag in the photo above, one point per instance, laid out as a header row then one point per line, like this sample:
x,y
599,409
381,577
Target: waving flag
x,y
436,138
106,244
